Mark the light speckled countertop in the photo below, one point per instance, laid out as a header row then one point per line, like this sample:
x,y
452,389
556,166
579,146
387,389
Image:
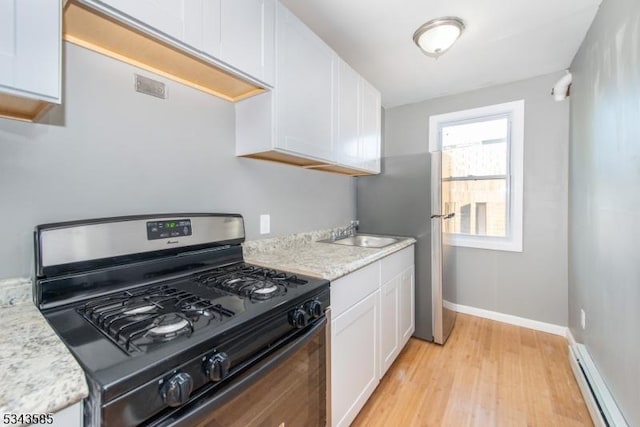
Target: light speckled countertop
x,y
301,253
38,374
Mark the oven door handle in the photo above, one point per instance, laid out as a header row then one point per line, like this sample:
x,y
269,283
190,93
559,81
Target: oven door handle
x,y
204,406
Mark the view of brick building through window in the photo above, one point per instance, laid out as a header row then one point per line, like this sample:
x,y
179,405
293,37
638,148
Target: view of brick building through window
x,y
475,171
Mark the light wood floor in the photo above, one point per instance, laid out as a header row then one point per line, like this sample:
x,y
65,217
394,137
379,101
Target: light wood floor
x,y
487,374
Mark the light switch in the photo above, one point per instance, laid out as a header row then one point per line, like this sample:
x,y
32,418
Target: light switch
x,y
265,224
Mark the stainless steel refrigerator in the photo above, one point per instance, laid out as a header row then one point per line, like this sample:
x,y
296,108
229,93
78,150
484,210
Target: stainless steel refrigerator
x,y
398,202
442,258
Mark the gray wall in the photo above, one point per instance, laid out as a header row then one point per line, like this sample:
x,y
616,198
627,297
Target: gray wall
x,y
112,151
531,284
604,199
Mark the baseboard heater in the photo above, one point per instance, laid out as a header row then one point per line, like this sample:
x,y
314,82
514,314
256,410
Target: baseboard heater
x,y
602,407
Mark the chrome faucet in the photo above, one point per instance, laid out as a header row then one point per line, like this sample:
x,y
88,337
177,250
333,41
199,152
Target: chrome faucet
x,y
349,231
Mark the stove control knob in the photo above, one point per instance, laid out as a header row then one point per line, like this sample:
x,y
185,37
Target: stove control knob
x,y
298,318
314,308
177,389
217,367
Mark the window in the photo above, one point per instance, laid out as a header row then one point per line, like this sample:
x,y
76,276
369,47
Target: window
x,y
482,175
474,174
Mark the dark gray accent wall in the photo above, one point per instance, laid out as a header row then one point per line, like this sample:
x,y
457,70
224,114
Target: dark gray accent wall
x,y
531,284
109,150
604,202
397,203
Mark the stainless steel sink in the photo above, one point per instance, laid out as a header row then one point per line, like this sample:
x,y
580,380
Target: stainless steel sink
x,y
363,241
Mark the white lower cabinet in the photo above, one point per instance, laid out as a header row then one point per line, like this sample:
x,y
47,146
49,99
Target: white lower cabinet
x,y
389,324
406,311
373,311
71,416
354,367
397,316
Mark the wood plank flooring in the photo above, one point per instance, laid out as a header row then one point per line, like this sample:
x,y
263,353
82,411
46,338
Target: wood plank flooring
x,y
488,374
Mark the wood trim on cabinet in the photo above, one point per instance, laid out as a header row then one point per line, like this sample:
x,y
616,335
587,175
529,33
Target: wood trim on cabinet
x,y
344,170
292,159
24,109
280,157
96,31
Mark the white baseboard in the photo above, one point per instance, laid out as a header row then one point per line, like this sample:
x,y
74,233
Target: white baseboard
x,y
510,319
571,338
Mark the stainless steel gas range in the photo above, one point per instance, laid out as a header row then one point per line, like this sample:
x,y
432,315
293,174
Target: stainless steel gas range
x,y
173,328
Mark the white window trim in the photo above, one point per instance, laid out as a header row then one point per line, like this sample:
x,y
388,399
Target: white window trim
x,y
515,109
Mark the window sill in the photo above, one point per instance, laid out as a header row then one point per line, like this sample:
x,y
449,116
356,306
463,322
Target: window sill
x,y
483,242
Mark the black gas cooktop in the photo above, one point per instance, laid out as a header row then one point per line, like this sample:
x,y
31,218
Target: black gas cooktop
x,y
140,320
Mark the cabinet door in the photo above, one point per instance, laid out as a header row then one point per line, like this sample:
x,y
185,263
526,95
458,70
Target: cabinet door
x,y
180,19
354,359
209,41
305,77
247,37
406,309
30,39
348,141
389,323
370,112
71,416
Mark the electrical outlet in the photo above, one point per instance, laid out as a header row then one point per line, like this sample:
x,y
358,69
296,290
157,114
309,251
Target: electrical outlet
x,y
265,224
583,319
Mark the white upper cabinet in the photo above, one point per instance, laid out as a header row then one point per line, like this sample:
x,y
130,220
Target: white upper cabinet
x,y
349,152
247,37
321,114
306,72
358,135
30,40
237,33
180,19
369,129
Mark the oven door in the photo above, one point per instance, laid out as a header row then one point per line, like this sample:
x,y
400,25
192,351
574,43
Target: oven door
x,y
286,388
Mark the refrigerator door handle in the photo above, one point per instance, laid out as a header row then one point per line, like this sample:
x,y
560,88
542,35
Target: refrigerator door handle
x,y
447,216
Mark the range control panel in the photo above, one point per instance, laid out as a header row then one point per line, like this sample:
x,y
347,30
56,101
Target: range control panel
x,y
169,228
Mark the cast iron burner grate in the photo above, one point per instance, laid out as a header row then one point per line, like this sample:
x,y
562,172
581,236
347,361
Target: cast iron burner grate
x,y
134,320
256,283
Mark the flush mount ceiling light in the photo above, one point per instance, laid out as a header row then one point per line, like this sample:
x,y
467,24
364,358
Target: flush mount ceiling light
x,y
436,36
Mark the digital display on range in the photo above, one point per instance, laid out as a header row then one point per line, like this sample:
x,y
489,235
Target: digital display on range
x,y
168,229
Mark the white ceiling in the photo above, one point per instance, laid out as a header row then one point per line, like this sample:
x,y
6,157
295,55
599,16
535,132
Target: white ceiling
x,y
504,41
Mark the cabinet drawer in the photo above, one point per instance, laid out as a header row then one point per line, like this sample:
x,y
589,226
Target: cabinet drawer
x,y
396,264
348,290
